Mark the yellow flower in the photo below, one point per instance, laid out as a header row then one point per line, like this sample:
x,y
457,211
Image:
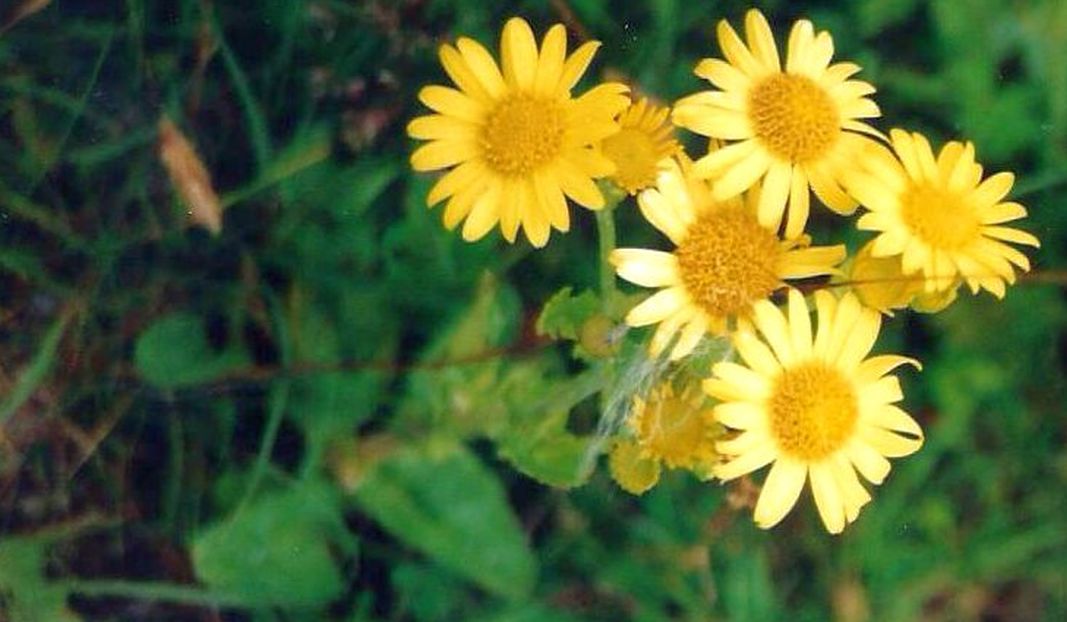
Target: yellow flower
x,y
796,127
676,430
631,471
724,261
643,141
939,216
515,140
880,283
815,408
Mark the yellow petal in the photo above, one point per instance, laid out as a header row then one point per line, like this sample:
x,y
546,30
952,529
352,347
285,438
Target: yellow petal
x,y
1000,213
470,174
518,53
741,176
577,186
443,154
482,65
1011,235
720,160
799,198
871,464
484,215
895,419
756,354
452,103
736,52
761,40
550,62
772,324
799,325
828,498
647,268
575,66
657,307
878,366
749,382
853,495
800,39
889,444
780,492
690,336
747,463
462,75
722,74
773,195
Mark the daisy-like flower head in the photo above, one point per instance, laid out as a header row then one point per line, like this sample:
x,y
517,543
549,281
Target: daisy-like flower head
x,y
939,216
724,261
515,140
817,409
796,126
880,283
673,429
645,138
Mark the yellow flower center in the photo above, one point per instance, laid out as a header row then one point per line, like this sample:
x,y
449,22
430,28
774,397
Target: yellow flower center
x,y
813,411
728,261
522,133
941,218
674,429
635,155
793,117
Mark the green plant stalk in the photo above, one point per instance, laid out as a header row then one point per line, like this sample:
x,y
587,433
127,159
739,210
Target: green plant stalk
x,y
605,225
157,591
278,402
83,103
42,363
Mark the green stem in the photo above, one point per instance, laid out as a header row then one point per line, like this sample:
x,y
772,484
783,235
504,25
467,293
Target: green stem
x,y
38,369
605,225
155,591
277,403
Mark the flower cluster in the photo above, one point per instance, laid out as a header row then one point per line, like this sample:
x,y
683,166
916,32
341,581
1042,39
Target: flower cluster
x,y
809,401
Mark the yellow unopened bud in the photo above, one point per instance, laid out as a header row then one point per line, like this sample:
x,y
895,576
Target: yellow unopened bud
x,y
932,302
880,282
597,336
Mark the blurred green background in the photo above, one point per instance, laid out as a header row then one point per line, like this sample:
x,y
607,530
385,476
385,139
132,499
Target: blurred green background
x,y
337,410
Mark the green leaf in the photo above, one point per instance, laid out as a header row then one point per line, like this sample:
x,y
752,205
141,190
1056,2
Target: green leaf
x,y
458,389
564,314
534,612
747,591
276,551
550,454
490,322
428,592
174,352
535,439
329,402
439,499
25,594
877,15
